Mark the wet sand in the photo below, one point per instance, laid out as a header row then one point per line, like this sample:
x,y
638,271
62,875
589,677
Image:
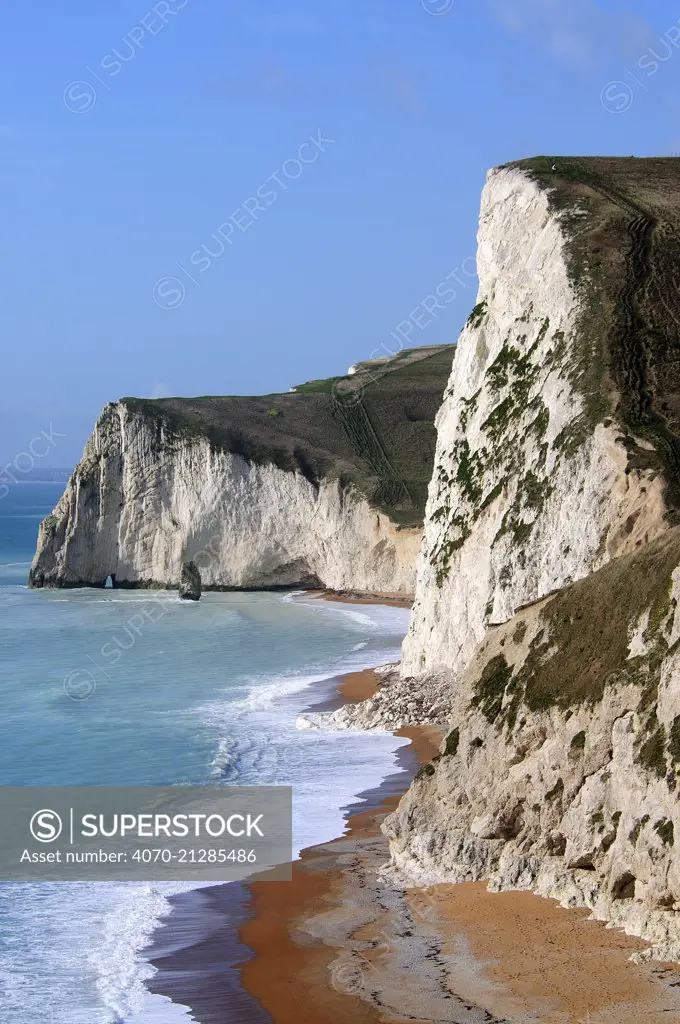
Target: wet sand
x,y
447,953
336,944
358,686
291,975
226,951
359,597
198,955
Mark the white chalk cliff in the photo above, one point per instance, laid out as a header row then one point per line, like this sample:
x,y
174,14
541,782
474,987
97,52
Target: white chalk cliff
x,y
545,633
141,502
520,503
558,774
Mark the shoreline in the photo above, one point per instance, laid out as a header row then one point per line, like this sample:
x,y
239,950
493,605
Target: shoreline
x,y
245,966
285,967
362,597
198,951
453,953
336,943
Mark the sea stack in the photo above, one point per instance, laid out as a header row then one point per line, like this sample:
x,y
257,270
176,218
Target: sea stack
x,y
190,582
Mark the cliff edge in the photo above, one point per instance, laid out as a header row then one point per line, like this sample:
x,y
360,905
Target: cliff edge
x,y
324,486
557,442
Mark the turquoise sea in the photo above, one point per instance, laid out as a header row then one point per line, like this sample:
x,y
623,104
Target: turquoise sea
x,y
108,687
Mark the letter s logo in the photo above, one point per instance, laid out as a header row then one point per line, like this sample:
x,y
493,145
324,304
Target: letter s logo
x,y
46,826
617,97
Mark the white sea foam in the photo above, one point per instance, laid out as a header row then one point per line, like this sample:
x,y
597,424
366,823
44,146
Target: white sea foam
x,y
265,747
263,744
61,920
136,912
225,757
87,939
363,618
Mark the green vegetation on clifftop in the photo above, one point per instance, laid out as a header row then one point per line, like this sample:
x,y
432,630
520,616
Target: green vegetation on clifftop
x,y
374,429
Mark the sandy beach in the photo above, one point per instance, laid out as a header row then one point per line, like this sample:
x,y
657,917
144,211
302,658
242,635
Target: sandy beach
x,y
289,969
339,944
355,597
449,953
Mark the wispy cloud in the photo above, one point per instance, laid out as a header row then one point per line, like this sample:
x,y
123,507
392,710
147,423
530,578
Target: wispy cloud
x,y
578,32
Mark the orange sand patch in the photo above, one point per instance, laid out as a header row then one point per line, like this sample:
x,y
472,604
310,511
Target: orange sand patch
x,y
533,956
358,686
290,978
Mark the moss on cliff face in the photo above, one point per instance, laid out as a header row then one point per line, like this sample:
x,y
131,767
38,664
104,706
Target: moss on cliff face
x,y
564,718
492,687
622,221
584,643
652,750
517,421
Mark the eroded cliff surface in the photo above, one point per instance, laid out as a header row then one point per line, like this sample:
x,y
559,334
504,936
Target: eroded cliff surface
x,y
554,450
545,629
321,487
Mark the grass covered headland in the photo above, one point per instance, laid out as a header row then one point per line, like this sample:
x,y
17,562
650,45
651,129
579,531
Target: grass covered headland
x,y
373,429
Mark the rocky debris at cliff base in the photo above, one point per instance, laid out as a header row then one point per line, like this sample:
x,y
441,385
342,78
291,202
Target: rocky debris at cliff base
x,y
190,582
399,703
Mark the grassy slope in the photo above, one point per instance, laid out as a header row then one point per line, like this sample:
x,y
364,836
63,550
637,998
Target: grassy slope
x,y
623,219
582,645
375,430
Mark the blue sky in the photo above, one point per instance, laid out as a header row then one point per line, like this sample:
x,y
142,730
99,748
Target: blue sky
x,y
132,133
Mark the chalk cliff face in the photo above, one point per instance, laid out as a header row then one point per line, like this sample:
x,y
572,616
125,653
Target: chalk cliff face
x,y
545,629
532,487
322,486
143,501
545,632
